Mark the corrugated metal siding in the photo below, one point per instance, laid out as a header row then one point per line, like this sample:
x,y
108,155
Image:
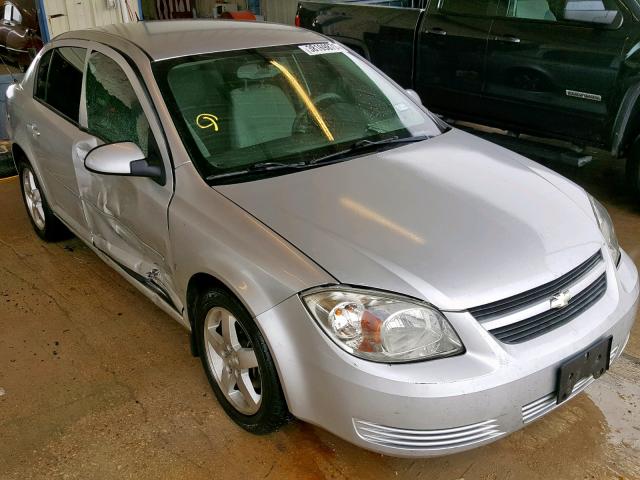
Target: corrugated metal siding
x,y
280,11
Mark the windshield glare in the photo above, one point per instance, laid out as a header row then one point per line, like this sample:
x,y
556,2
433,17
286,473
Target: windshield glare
x,y
285,104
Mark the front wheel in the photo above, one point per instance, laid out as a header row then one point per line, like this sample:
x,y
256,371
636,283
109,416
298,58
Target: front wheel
x,y
238,363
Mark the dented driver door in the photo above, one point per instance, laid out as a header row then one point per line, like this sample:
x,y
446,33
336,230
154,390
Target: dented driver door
x,y
127,216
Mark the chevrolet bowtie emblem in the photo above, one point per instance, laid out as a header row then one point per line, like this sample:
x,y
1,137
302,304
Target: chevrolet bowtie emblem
x,y
561,300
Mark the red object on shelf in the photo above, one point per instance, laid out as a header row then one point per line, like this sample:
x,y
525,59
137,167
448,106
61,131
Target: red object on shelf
x,y
297,20
242,15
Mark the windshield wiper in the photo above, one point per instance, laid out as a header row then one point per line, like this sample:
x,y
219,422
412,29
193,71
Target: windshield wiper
x,y
366,145
355,147
259,167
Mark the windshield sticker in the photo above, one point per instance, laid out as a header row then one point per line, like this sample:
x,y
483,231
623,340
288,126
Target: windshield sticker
x,y
321,48
207,120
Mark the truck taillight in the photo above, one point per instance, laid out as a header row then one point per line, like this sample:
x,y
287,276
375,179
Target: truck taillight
x,y
297,20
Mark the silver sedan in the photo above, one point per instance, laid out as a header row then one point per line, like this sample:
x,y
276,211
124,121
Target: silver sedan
x,y
338,253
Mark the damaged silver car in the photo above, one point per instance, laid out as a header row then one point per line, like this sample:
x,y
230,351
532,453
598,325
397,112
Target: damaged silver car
x,y
338,253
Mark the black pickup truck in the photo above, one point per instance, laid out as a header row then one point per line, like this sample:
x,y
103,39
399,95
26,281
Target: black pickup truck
x,y
562,69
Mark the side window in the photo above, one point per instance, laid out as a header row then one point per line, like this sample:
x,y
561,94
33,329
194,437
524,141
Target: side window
x,y
114,112
11,14
558,10
59,81
16,16
43,74
476,8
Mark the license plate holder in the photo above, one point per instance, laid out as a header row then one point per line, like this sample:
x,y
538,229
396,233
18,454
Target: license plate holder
x,y
592,361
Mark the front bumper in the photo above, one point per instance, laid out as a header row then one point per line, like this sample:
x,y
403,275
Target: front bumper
x,y
441,406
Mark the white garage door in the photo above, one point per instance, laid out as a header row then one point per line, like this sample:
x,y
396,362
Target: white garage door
x,y
65,15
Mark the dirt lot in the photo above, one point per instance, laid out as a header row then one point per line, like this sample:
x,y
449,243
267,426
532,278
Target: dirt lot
x,y
97,383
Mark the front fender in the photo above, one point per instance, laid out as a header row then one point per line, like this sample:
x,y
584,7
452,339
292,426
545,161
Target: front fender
x,y
212,235
626,125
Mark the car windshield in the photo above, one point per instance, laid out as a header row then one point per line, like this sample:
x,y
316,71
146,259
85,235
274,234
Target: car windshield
x,y
283,105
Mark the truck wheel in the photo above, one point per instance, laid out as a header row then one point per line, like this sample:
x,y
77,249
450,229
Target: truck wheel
x,y
633,168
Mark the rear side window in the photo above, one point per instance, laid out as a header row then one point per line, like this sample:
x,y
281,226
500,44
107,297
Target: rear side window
x,y
477,8
43,73
559,10
59,82
12,14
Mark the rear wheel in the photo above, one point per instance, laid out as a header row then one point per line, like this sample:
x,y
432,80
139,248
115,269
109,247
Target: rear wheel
x,y
238,363
633,168
44,222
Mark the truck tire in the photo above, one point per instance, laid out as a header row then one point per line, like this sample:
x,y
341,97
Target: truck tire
x,y
633,168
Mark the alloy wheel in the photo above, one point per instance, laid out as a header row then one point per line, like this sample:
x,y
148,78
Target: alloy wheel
x,y
33,198
232,360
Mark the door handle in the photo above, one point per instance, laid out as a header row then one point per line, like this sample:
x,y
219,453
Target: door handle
x,y
437,31
507,38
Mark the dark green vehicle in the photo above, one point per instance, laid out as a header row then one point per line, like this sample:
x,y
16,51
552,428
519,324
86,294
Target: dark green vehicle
x,y
562,69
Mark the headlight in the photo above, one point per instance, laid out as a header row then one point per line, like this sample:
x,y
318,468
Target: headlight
x,y
382,327
606,227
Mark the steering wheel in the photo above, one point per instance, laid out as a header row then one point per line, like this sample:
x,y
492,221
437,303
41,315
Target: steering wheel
x,y
303,120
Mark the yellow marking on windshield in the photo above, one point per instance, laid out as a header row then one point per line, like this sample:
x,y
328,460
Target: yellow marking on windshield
x,y
207,120
305,98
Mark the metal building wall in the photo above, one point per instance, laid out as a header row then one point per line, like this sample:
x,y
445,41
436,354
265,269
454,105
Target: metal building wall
x,y
280,11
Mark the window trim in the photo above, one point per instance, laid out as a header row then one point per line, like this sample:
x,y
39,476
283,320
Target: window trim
x,y
50,48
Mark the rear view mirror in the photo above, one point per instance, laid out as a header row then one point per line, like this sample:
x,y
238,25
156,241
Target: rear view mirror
x,y
413,95
574,12
124,158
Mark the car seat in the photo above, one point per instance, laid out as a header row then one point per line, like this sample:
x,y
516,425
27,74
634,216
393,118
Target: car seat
x,y
260,111
199,89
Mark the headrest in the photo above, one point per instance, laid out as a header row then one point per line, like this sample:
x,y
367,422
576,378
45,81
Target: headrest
x,y
254,71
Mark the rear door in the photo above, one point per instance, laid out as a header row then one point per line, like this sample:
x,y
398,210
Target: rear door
x,y
53,128
452,43
553,76
127,216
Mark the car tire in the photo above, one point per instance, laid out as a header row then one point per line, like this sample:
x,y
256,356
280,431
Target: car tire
x,y
238,363
44,222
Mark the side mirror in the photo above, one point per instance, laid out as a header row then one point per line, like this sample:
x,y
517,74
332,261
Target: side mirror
x,y
413,95
124,158
598,17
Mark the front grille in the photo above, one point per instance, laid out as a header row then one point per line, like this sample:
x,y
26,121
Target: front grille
x,y
528,315
443,439
544,322
517,302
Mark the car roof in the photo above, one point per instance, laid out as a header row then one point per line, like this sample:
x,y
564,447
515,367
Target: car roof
x,y
164,39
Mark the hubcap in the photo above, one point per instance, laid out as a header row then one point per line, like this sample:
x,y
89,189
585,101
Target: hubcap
x,y
33,198
232,360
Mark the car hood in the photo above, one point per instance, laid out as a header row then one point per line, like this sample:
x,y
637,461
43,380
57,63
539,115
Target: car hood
x,y
453,220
